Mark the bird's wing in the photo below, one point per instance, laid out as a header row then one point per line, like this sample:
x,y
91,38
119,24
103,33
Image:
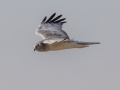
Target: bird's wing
x,y
54,40
52,28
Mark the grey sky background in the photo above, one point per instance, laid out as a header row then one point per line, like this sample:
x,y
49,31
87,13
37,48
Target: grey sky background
x,y
93,68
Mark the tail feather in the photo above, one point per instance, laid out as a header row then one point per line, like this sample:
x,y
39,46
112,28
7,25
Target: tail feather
x,y
86,43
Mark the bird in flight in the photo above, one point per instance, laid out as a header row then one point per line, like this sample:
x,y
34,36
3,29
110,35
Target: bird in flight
x,y
54,38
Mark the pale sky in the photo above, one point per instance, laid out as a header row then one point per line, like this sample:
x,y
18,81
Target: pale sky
x,y
94,68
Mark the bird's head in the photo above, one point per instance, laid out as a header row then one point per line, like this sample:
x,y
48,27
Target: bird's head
x,y
37,46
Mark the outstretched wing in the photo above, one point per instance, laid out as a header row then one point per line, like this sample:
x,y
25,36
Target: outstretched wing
x,y
51,29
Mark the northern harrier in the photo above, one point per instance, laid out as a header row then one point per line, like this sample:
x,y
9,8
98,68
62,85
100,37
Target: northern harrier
x,y
54,38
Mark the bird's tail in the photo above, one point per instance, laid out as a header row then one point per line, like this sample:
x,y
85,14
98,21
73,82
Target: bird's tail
x,y
81,44
87,43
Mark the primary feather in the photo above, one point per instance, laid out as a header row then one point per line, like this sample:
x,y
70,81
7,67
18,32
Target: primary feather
x,y
52,28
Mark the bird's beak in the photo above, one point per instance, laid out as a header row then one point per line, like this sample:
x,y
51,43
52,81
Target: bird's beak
x,y
34,49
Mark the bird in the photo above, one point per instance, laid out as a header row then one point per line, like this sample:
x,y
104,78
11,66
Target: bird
x,y
54,38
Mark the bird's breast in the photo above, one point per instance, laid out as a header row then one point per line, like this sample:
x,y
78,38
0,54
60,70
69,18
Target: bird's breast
x,y
60,45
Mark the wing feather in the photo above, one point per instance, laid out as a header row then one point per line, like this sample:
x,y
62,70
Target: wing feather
x,y
56,18
60,20
44,20
63,22
52,28
53,40
50,18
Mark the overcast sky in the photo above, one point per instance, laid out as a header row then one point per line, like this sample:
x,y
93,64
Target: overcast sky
x,y
94,68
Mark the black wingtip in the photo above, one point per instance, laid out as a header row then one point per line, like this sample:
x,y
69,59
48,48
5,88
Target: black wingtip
x,y
44,19
54,20
63,22
51,17
60,20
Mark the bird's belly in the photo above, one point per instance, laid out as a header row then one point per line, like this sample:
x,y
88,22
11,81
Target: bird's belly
x,y
60,46
63,45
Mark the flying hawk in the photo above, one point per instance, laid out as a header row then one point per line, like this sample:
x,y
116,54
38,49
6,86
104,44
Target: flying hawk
x,y
54,38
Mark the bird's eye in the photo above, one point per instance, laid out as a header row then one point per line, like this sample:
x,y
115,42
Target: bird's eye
x,y
37,45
